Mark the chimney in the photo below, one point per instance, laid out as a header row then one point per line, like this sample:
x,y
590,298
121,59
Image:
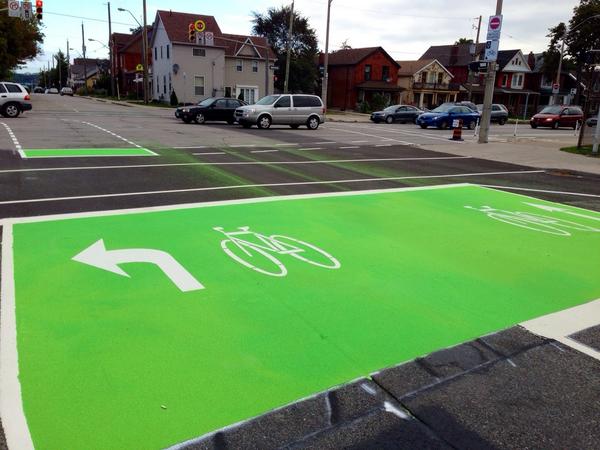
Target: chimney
x,y
531,60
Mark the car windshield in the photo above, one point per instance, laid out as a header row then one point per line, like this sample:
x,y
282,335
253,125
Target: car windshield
x,y
443,108
391,108
206,102
268,100
551,110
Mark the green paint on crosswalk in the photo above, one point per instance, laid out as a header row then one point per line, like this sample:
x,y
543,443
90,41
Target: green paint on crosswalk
x,y
85,152
154,365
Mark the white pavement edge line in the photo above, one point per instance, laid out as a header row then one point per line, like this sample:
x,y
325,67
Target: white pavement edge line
x,y
560,325
11,402
116,212
16,143
119,137
417,134
373,135
581,194
261,185
229,163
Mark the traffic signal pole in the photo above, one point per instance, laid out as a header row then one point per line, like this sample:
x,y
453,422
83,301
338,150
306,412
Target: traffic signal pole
x,y
490,80
145,49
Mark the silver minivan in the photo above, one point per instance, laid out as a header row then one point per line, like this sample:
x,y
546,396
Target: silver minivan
x,y
284,109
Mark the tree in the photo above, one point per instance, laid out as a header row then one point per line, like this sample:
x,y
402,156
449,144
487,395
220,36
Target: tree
x,y
552,54
52,78
345,45
274,26
463,41
19,42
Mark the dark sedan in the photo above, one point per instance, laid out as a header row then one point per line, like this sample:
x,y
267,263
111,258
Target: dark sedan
x,y
444,116
211,109
397,113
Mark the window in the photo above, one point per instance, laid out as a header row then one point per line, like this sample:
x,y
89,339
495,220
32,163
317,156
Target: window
x,y
233,104
367,72
199,52
13,88
504,80
385,73
227,91
2,89
239,65
283,102
221,104
157,85
423,77
198,85
161,53
440,77
170,88
249,94
155,53
255,66
517,80
168,52
306,101
164,84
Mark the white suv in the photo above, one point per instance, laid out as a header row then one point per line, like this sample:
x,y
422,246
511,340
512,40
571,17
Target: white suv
x,y
14,99
293,110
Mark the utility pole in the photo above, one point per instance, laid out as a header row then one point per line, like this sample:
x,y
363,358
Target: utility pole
x,y
110,54
68,65
476,56
326,59
145,50
490,80
57,56
267,63
289,50
84,61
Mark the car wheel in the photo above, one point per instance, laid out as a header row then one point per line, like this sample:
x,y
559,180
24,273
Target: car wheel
x,y
295,126
199,118
389,119
443,125
555,125
472,125
423,126
264,122
11,110
533,125
313,123
501,121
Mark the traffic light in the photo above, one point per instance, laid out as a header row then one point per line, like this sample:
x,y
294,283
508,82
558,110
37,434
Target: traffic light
x,y
192,32
39,6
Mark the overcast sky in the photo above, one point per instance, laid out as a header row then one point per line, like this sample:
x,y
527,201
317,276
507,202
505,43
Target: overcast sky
x,y
405,28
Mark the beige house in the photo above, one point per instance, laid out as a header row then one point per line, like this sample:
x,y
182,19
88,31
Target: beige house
x,y
214,64
427,83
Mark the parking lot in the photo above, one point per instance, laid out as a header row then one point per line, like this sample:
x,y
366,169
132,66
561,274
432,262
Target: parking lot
x,y
277,263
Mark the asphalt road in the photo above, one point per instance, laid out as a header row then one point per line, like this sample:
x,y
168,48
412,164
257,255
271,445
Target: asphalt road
x,y
457,398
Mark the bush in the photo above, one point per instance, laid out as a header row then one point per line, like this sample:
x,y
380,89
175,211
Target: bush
x,y
131,95
379,102
81,91
364,107
174,100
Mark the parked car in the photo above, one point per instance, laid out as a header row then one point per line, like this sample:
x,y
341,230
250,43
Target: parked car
x,y
38,90
443,116
499,113
556,116
214,108
66,91
14,99
397,113
293,110
51,91
592,122
468,104
178,110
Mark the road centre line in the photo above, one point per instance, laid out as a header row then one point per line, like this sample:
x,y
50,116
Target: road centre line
x,y
16,143
513,188
229,163
259,185
372,135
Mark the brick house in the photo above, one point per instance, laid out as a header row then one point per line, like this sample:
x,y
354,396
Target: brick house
x,y
357,74
127,54
542,82
427,83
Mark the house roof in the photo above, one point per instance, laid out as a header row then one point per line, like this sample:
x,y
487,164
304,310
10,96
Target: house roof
x,y
504,57
176,24
121,39
352,56
452,55
412,67
232,48
136,40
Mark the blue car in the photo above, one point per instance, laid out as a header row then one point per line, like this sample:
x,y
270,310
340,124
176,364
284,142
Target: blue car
x,y
443,116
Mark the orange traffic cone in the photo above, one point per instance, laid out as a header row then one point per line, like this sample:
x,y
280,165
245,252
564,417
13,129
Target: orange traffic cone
x,y
457,130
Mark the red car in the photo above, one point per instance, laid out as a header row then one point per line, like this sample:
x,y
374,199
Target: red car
x,y
558,116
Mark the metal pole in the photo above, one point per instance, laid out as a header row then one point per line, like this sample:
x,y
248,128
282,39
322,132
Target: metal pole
x,y
59,71
68,65
145,50
490,80
326,59
289,50
84,61
557,81
476,59
110,54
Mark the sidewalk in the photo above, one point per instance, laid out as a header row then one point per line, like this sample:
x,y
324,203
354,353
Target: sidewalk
x,y
523,151
334,115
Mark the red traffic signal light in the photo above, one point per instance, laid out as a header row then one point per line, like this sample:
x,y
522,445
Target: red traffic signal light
x,y
191,32
39,5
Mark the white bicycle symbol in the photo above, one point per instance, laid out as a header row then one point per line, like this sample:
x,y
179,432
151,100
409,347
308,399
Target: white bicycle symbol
x,y
535,222
258,255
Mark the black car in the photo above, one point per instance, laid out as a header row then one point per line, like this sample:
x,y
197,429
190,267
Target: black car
x,y
215,108
397,113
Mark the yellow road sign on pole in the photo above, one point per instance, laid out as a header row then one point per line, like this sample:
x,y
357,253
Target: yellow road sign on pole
x,y
199,25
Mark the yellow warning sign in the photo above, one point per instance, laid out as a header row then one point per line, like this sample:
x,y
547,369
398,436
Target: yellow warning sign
x,y
199,25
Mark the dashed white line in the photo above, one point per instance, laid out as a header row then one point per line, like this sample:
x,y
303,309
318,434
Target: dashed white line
x,y
243,146
351,146
309,148
16,143
383,145
117,136
191,146
263,151
210,153
372,135
325,143
285,145
358,142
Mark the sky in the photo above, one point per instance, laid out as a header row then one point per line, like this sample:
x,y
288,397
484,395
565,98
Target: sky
x,y
404,28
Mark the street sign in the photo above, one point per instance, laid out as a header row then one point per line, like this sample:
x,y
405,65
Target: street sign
x,y
494,28
199,25
139,68
209,38
26,11
14,9
491,50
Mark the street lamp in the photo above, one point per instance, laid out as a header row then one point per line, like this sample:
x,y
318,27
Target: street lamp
x,y
101,43
144,47
562,52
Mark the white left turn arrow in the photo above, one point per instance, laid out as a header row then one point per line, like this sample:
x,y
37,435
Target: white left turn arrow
x,y
96,255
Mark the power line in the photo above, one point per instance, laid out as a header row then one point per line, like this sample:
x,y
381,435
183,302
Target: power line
x,y
89,18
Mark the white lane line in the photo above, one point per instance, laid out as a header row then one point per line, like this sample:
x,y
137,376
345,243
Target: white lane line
x,y
383,145
258,185
309,148
411,133
285,145
560,325
229,163
372,135
324,142
243,146
119,137
11,403
210,153
351,146
513,188
15,141
358,142
192,146
263,151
